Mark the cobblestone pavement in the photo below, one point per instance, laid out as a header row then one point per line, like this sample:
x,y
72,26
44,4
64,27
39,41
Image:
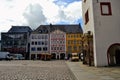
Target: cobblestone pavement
x,y
35,70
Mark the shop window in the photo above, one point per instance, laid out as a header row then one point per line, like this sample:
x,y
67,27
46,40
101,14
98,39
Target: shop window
x,y
105,8
86,17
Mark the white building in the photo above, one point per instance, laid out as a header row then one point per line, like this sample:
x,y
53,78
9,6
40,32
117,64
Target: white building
x,y
0,45
102,18
39,42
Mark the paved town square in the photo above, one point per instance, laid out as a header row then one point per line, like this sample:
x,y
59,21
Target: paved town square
x,y
35,70
85,72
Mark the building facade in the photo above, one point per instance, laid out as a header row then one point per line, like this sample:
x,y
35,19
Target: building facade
x,y
39,42
101,18
58,44
51,40
73,39
16,41
0,45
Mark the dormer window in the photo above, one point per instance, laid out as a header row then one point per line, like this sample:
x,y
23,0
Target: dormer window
x,y
40,31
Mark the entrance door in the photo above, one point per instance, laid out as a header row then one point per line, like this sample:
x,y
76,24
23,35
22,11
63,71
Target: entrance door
x,y
117,56
53,56
62,56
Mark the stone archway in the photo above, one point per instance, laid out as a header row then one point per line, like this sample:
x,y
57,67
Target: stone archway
x,y
62,56
114,54
53,56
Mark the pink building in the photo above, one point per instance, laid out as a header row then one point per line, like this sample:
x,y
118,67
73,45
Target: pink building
x,y
58,42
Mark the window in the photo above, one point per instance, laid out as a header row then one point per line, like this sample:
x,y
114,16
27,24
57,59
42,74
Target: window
x,y
60,48
39,43
33,49
39,49
105,8
71,41
40,31
46,37
43,36
42,43
23,42
51,48
61,42
32,37
78,42
57,48
35,43
75,48
39,37
46,43
54,48
74,35
69,48
68,41
68,36
32,43
74,41
44,48
86,17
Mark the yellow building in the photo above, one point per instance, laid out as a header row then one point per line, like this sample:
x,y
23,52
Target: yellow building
x,y
73,43
73,40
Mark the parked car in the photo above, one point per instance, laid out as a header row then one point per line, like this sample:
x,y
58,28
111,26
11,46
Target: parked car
x,y
74,57
5,56
18,57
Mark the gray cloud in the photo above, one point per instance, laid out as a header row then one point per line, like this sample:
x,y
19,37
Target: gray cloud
x,y
34,15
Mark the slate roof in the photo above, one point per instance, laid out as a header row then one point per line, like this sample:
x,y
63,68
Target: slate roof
x,y
46,29
20,29
72,28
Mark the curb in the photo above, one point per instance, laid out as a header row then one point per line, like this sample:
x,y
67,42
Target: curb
x,y
74,77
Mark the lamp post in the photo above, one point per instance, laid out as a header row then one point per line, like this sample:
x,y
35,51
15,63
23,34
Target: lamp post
x,y
88,36
82,57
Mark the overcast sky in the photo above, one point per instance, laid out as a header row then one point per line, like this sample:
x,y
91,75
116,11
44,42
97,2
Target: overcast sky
x,y
36,12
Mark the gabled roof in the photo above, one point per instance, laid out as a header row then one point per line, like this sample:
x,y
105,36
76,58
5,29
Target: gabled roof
x,y
73,28
20,29
65,28
57,27
46,29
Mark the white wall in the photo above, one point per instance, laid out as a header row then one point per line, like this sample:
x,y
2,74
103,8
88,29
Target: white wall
x,y
106,29
0,46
